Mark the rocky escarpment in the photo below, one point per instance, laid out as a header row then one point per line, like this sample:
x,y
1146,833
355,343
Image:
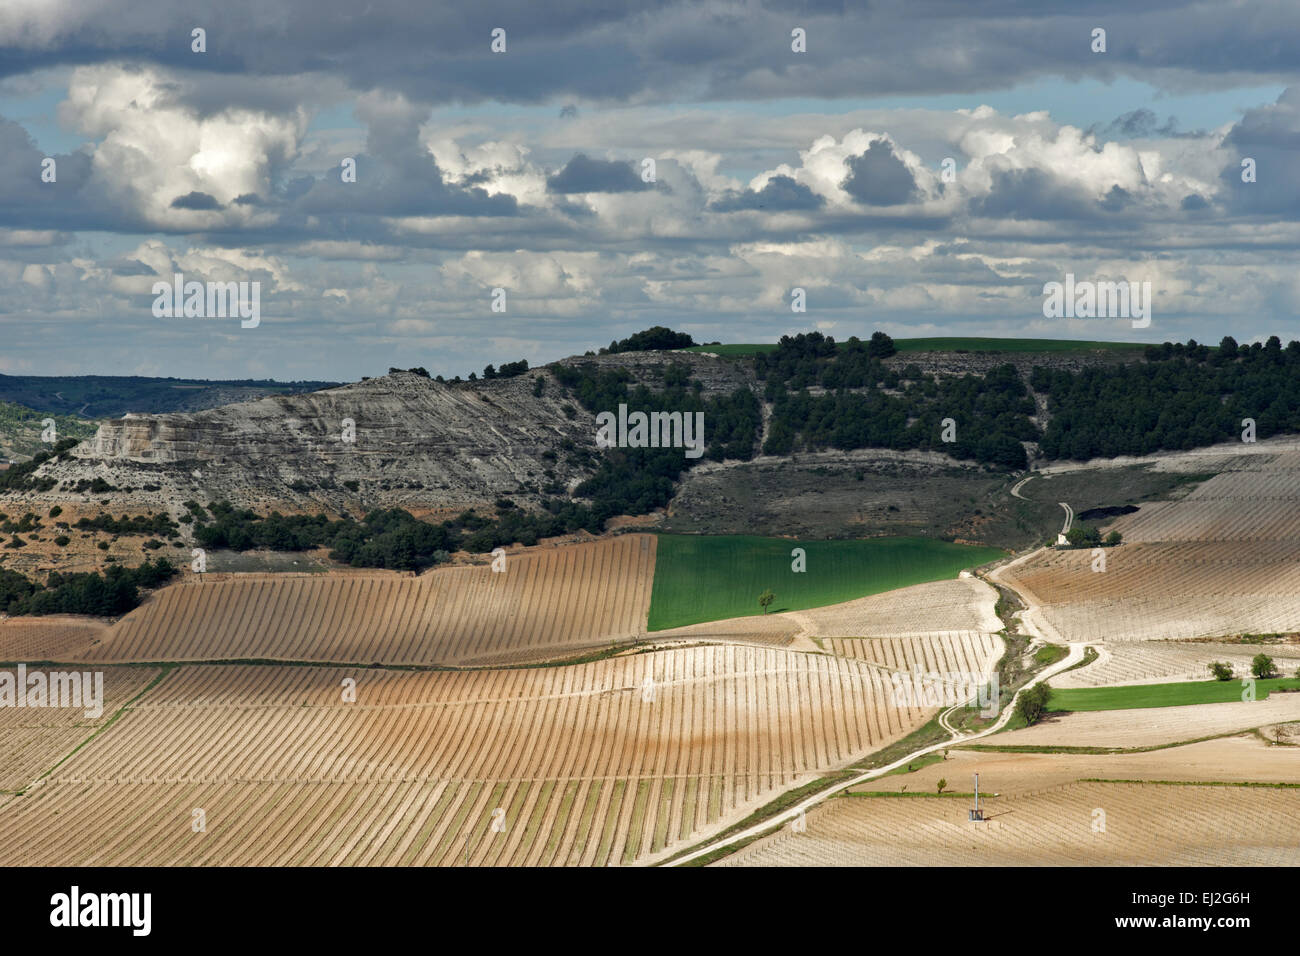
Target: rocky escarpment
x,y
398,439
411,441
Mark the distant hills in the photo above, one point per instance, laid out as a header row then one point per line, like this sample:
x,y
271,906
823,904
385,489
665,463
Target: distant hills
x,y
112,396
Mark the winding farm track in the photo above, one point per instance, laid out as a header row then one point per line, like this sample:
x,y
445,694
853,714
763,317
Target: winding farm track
x,y
618,761
800,809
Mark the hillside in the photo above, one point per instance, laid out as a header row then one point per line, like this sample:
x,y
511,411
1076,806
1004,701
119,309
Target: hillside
x,y
814,437
419,443
109,396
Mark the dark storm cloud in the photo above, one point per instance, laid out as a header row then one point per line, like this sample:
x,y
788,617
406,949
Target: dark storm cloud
x,y
195,200
1270,137
27,202
1034,194
781,194
583,174
879,178
606,49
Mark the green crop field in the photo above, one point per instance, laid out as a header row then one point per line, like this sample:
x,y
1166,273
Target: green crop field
x,y
1162,695
949,344
711,577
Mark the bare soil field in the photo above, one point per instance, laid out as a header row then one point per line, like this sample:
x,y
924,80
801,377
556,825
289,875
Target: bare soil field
x,y
1154,662
1242,758
547,603
961,604
617,761
1145,824
1152,726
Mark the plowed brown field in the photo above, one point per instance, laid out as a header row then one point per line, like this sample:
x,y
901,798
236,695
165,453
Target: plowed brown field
x,y
546,603
614,761
1153,726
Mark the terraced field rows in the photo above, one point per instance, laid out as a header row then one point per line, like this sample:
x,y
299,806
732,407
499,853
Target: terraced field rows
x,y
1218,568
1145,824
1175,617
1156,662
585,768
1165,591
959,651
33,739
1257,500
59,637
546,603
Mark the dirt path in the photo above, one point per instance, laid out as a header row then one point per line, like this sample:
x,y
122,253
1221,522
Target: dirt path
x,y
800,809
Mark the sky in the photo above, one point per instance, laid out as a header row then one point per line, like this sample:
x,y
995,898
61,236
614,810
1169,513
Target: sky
x,y
533,180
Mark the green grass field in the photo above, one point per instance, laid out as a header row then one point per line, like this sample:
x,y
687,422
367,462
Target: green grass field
x,y
1161,695
949,344
710,577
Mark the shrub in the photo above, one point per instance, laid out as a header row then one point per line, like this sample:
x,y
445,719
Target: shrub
x,y
1262,666
1221,670
1032,703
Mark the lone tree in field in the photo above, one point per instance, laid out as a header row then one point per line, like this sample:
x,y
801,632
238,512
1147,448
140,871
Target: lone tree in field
x,y
1221,670
943,782
765,600
1031,705
1113,539
1262,666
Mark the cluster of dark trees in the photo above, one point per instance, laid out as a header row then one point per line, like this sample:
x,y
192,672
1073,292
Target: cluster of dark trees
x,y
652,339
1182,396
151,524
507,370
886,409
1089,536
808,359
393,538
386,538
114,592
